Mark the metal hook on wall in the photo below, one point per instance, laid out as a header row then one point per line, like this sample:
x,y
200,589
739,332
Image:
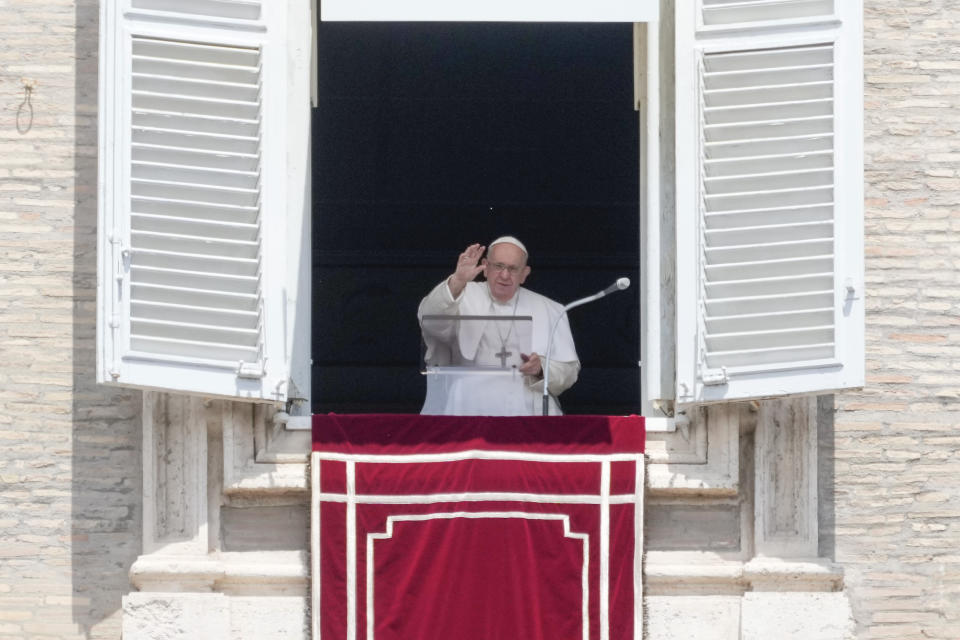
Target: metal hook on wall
x,y
25,110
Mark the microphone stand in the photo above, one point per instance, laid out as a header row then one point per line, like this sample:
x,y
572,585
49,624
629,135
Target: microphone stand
x,y
619,285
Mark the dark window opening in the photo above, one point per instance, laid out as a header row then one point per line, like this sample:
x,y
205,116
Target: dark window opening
x,y
431,136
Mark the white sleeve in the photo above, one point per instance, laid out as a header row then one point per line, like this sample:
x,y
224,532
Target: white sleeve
x,y
562,377
440,301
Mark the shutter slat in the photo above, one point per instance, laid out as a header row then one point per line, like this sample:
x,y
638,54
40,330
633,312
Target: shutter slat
x,y
214,128
752,340
766,77
751,359
770,199
195,280
772,232
208,316
191,227
239,109
779,128
770,215
767,321
197,70
745,271
194,350
219,177
234,9
188,331
767,58
213,194
739,254
768,146
757,111
196,141
200,246
195,89
770,181
772,163
759,95
193,262
725,12
148,292
202,158
770,286
196,52
203,211
783,301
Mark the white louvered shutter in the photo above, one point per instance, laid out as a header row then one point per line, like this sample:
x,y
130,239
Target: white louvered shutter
x,y
769,198
193,209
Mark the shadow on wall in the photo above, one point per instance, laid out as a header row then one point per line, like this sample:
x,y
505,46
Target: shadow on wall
x,y
826,448
105,535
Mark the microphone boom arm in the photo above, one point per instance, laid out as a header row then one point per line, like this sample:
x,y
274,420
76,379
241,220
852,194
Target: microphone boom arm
x,y
619,285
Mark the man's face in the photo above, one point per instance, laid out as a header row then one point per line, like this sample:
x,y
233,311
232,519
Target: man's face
x,y
505,269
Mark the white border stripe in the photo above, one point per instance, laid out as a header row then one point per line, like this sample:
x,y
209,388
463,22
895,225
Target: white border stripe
x,y
370,574
638,551
477,515
351,553
475,454
605,550
476,496
603,500
315,501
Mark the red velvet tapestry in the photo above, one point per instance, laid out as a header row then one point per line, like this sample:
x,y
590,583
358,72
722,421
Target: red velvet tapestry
x,y
470,528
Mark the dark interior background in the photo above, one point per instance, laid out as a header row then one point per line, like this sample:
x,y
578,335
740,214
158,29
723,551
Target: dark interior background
x,y
429,137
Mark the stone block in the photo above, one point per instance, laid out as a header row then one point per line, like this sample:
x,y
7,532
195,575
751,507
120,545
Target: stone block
x,y
711,617
280,617
796,616
170,616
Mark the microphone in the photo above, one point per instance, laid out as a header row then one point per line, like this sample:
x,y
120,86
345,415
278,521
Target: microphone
x,y
619,285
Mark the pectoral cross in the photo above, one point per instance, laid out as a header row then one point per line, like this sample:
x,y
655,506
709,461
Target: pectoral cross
x,y
503,355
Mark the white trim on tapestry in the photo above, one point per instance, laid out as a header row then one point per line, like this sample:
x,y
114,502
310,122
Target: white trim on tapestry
x,y
476,515
603,499
638,551
351,548
482,496
475,454
605,550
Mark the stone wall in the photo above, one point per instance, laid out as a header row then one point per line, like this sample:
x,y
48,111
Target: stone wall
x,y
895,466
69,449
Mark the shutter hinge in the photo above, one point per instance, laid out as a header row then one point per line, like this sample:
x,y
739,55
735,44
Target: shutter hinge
x,y
251,370
715,377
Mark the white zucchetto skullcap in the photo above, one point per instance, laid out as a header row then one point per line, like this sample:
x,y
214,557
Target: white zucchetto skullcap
x,y
508,240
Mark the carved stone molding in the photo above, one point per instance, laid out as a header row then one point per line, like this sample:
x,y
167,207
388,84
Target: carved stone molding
x,y
687,574
786,523
259,456
268,572
174,474
702,458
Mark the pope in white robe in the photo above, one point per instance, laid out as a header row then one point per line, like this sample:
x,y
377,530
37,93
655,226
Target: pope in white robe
x,y
512,350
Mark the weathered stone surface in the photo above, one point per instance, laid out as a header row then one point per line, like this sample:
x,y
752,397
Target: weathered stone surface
x,y
796,616
174,616
711,617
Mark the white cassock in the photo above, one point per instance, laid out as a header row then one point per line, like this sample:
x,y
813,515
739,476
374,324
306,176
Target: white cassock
x,y
481,343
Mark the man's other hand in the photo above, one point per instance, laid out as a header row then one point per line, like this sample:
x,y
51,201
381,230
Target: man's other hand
x,y
531,365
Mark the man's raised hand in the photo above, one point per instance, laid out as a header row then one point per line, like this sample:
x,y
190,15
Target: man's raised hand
x,y
468,268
